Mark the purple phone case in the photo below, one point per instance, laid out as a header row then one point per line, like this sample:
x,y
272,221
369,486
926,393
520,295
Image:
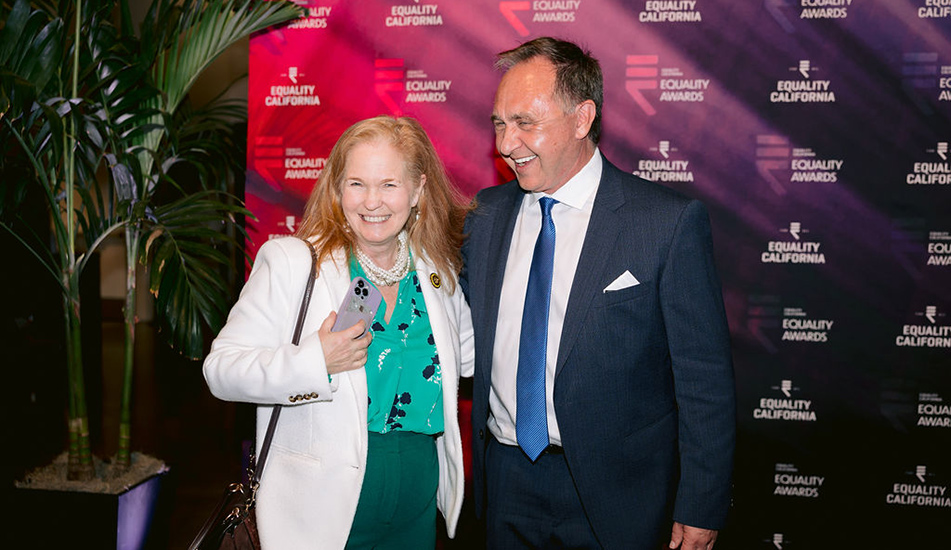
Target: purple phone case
x,y
361,302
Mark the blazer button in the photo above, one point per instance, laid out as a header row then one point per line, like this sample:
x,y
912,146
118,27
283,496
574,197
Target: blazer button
x,y
481,434
313,395
292,399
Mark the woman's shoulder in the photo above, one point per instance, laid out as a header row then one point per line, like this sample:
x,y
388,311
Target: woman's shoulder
x,y
297,254
284,245
288,252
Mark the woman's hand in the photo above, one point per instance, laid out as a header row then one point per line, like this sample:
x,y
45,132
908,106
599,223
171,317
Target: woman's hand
x,y
343,350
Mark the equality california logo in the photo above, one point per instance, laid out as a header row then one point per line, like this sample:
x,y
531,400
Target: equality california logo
x,y
668,168
934,9
779,541
934,170
413,15
920,487
670,11
797,249
926,330
784,403
293,91
806,87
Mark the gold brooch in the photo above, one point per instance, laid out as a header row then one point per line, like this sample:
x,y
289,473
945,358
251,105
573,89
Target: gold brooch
x,y
434,279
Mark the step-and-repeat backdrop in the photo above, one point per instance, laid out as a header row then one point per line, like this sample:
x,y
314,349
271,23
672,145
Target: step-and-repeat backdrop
x,y
817,133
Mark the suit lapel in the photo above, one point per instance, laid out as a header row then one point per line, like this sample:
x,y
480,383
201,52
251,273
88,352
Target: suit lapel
x,y
600,240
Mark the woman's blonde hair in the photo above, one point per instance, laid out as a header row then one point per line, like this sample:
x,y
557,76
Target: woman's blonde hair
x,y
435,223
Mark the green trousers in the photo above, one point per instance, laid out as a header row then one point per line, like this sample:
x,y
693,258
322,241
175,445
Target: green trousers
x,y
397,507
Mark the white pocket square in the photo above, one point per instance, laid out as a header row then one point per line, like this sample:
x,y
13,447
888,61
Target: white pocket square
x,y
624,281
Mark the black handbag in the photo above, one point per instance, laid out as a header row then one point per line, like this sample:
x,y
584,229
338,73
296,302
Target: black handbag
x,y
232,525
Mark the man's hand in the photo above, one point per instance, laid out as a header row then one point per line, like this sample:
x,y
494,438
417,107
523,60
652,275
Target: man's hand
x,y
686,537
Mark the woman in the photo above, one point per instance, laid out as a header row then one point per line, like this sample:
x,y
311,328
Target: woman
x,y
368,443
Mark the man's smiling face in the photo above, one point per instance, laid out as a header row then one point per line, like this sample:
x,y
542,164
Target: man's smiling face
x,y
544,143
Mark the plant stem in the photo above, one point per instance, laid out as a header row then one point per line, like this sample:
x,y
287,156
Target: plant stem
x,y
80,457
132,239
79,464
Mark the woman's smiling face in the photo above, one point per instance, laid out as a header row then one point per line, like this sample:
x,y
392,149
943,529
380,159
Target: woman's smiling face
x,y
377,196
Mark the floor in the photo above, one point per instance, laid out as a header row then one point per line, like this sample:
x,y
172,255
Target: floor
x,y
175,418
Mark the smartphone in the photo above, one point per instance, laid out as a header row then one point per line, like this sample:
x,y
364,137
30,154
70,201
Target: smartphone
x,y
361,302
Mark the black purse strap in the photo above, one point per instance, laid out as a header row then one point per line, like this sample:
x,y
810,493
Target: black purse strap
x,y
276,411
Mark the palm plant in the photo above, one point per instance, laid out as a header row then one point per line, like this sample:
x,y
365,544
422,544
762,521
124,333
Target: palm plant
x,y
43,113
179,41
128,100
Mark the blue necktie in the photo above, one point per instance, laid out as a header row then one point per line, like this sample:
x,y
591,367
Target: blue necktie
x,y
531,419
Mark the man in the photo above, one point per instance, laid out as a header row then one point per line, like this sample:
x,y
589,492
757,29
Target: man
x,y
599,325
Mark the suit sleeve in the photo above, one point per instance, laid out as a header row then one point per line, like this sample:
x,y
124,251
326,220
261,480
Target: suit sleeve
x,y
466,250
701,360
252,359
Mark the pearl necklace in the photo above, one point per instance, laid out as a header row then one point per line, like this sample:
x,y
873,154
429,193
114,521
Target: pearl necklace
x,y
386,277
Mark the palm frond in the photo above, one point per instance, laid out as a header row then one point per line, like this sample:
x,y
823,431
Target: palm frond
x,y
209,29
185,260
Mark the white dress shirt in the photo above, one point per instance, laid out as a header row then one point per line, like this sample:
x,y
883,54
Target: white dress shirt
x,y
571,215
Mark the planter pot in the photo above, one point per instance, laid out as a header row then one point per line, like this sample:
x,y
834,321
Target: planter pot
x,y
133,519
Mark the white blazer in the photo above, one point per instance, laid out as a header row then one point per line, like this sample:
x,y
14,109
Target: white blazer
x,y
314,471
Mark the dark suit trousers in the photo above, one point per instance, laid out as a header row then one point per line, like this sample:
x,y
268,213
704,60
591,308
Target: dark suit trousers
x,y
533,505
